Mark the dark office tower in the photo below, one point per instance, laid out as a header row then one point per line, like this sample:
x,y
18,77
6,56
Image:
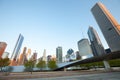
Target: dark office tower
x,y
17,47
2,48
108,25
96,44
59,54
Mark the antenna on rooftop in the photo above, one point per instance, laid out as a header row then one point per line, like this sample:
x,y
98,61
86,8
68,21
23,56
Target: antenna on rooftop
x,y
83,36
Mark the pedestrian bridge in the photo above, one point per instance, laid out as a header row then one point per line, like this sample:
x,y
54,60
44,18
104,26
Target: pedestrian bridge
x,y
109,56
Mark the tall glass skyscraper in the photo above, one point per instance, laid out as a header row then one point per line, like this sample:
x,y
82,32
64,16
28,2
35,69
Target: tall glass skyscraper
x,y
17,47
108,25
96,44
59,54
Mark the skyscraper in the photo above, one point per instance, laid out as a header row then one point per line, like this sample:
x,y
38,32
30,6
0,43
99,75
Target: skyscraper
x,y
17,47
78,57
34,56
96,44
22,58
44,55
84,48
2,48
108,25
59,54
70,55
5,55
28,54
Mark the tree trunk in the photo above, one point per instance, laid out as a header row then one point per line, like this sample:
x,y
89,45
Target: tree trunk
x,y
1,69
31,72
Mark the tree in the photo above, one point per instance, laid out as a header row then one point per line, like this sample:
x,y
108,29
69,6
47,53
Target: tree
x,y
3,65
41,64
52,64
29,66
4,62
114,63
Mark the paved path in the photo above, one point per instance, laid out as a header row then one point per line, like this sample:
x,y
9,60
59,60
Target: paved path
x,y
61,75
98,76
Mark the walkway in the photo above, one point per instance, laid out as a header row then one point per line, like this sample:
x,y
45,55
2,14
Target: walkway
x,y
98,76
61,75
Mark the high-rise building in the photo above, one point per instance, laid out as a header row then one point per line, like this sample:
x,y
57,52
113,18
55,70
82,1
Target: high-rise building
x,y
59,54
2,48
108,25
96,44
34,56
22,58
5,55
44,55
70,51
49,57
28,54
18,45
84,48
70,55
78,57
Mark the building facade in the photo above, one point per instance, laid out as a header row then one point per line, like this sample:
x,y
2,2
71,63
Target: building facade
x,y
108,25
28,54
49,57
44,58
5,55
84,48
17,48
78,57
2,48
96,44
70,55
23,58
34,56
59,54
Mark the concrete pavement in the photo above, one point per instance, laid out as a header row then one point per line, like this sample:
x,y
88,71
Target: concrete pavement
x,y
98,76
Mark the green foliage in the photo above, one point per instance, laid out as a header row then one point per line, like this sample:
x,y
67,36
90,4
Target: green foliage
x,y
92,65
4,62
114,63
41,64
29,65
52,64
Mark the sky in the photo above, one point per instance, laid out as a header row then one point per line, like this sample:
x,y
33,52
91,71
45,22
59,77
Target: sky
x,y
47,24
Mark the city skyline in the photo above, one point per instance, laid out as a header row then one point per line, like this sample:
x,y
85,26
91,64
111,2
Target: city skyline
x,y
46,25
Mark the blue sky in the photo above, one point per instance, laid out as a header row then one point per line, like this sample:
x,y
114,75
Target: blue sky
x,y
47,24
